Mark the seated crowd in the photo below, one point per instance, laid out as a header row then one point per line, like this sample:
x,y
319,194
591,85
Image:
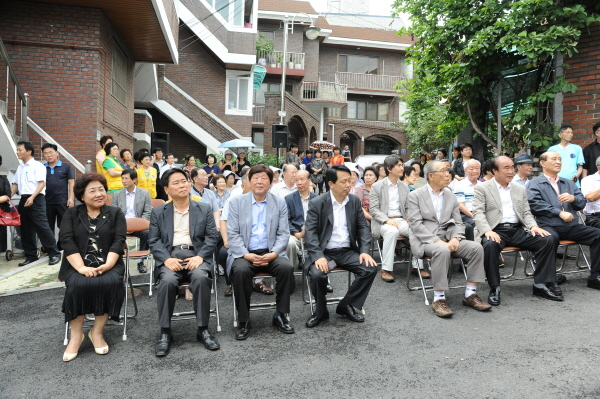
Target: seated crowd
x,y
262,226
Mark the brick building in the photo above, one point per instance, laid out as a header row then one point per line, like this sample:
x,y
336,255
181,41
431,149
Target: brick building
x,y
76,60
582,108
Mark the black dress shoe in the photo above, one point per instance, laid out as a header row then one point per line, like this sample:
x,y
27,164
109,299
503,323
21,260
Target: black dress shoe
x,y
27,261
329,288
244,331
554,288
314,320
54,260
594,283
209,340
349,312
163,346
494,297
560,279
545,292
283,324
142,268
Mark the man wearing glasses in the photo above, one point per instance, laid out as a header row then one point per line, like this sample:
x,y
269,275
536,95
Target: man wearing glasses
x,y
437,231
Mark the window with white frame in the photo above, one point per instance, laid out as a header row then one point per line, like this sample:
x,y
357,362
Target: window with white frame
x,y
232,11
239,93
369,111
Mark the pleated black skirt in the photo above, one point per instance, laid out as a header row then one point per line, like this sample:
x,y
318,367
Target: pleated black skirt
x,y
94,295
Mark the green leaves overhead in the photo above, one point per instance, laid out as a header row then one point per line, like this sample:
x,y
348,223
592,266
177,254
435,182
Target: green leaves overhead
x,y
464,46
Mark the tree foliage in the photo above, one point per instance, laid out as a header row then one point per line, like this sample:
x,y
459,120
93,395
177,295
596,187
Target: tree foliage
x,y
462,49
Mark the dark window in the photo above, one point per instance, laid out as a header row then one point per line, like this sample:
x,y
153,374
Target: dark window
x,y
119,74
358,64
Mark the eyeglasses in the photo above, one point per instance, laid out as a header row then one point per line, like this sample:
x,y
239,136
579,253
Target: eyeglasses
x,y
441,171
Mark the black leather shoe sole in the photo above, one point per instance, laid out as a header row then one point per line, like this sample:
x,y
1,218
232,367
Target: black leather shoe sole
x,y
26,262
243,333
350,315
209,343
284,328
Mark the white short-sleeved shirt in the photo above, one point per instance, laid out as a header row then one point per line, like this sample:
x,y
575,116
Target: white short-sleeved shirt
x,y
464,191
588,184
28,177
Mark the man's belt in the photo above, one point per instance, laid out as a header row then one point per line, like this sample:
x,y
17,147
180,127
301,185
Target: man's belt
x,y
508,224
594,214
394,217
184,246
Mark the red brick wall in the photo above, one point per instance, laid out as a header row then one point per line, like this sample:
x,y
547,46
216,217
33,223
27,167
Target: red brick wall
x,y
582,108
203,78
142,123
62,57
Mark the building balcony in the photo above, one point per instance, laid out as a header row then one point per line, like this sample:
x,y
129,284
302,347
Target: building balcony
x,y
363,82
384,124
273,61
324,94
258,115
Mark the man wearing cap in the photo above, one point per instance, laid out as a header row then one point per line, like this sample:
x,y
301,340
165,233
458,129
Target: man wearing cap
x,y
524,170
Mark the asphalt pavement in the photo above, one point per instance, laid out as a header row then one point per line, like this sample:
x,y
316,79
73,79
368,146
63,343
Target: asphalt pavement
x,y
526,348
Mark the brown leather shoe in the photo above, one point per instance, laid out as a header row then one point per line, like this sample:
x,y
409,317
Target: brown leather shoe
x,y
424,274
476,303
442,309
228,291
387,276
263,288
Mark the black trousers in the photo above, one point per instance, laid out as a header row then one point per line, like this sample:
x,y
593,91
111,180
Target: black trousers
x,y
593,221
347,259
200,280
544,249
242,272
469,226
55,214
35,221
585,235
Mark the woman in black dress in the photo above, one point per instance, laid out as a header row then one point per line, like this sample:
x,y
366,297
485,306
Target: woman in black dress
x,y
93,238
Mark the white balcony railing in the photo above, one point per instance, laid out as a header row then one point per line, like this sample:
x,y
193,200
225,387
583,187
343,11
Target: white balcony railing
x,y
325,92
389,125
274,59
366,81
258,114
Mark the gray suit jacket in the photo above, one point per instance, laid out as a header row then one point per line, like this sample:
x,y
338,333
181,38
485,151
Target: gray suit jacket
x,y
239,226
487,206
142,203
424,225
203,231
379,204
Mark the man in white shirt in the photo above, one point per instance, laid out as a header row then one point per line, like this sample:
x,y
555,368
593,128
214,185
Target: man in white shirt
x,y
331,242
464,190
524,170
30,182
170,164
297,204
135,203
288,185
387,206
590,188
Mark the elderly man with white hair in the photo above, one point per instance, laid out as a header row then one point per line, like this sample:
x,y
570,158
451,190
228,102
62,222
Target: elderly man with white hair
x,y
288,185
464,190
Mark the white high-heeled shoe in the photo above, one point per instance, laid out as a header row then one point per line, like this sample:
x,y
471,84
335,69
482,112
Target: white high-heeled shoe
x,y
67,357
100,351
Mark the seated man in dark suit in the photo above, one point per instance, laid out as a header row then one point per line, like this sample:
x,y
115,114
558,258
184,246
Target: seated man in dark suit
x,y
183,239
503,217
554,202
135,202
297,205
337,235
258,234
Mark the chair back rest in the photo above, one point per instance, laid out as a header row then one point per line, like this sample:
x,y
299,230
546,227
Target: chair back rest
x,y
137,224
156,202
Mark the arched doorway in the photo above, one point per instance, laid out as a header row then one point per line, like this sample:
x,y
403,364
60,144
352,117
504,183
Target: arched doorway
x,y
380,145
351,139
313,135
298,134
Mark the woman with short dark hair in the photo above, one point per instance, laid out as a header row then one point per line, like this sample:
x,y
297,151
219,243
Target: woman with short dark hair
x,y
93,238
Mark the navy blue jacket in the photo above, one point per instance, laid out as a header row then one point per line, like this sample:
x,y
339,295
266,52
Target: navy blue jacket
x,y
295,211
544,204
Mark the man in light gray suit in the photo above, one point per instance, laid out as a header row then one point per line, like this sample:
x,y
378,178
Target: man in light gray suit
x,y
437,230
388,200
135,202
502,215
258,235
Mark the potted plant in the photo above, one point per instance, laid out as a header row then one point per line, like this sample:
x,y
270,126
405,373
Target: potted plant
x,y
290,62
279,59
264,46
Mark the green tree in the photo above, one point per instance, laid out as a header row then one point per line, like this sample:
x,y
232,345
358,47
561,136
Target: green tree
x,y
465,47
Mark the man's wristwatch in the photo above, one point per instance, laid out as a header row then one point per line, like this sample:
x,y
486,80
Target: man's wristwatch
x,y
458,238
